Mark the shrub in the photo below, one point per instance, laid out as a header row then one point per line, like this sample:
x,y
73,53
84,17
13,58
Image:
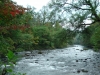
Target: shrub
x,y
5,45
26,41
44,37
60,39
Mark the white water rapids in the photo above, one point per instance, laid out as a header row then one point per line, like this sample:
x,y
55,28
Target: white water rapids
x,y
73,60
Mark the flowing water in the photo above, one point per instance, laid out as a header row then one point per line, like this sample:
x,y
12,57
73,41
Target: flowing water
x,y
73,60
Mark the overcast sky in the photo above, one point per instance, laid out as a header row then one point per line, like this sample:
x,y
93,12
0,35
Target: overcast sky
x,y
36,3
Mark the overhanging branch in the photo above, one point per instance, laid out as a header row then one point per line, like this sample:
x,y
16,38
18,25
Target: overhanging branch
x,y
74,6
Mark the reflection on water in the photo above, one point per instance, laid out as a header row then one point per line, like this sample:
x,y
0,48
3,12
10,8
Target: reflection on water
x,y
68,61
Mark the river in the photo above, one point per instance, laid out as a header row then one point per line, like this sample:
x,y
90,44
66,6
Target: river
x,y
73,60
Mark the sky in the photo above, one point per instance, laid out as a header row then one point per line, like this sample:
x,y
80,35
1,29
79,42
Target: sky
x,y
38,4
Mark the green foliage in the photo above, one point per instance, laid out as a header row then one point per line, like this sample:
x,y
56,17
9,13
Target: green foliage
x,y
10,55
60,39
95,39
51,37
86,34
22,19
6,43
11,61
43,35
15,35
91,36
26,41
22,41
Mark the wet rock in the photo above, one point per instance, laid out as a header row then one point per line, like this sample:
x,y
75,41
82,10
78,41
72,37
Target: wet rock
x,y
27,57
75,54
53,65
78,71
81,50
94,67
99,66
47,59
83,70
62,51
94,63
27,53
16,53
91,60
81,59
84,61
74,65
76,60
73,72
39,52
88,58
51,57
31,62
85,48
36,61
32,55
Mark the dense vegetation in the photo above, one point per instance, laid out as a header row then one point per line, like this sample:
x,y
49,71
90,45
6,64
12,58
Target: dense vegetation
x,y
91,36
19,32
24,29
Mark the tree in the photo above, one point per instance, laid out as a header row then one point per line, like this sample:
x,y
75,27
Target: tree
x,y
47,15
9,10
78,10
9,13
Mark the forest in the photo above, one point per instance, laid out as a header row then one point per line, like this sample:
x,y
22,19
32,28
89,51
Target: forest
x,y
55,26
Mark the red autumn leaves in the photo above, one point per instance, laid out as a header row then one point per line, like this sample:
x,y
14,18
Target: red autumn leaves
x,y
8,11
11,8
